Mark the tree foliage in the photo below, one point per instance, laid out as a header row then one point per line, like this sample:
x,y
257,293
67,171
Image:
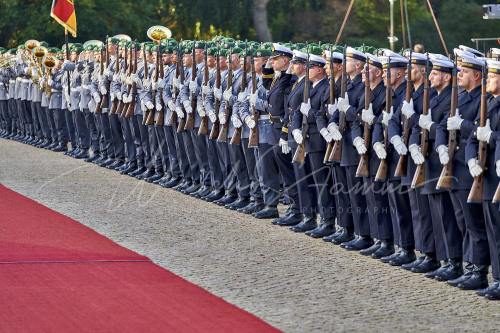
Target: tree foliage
x,y
290,20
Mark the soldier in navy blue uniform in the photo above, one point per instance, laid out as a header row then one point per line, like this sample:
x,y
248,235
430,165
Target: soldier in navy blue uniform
x,y
490,134
315,145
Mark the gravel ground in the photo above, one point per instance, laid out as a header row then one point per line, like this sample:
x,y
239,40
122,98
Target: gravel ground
x,y
292,281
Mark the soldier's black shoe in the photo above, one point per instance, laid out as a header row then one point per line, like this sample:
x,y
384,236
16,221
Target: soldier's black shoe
x,y
166,177
306,225
106,162
324,229
214,196
369,251
494,285
145,174
139,170
81,155
195,186
344,237
46,144
414,263
240,203
268,212
361,243
451,271
59,148
493,292
91,159
427,265
116,164
226,199
390,257
155,177
292,219
202,192
386,249
405,256
478,280
330,238
173,182
126,168
252,208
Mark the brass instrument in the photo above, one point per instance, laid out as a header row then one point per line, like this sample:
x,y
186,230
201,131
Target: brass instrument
x,y
158,33
49,62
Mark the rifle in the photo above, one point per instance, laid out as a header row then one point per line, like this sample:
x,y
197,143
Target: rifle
x,y
236,139
363,169
160,118
336,154
419,176
496,197
228,109
300,152
253,138
446,177
190,116
402,166
203,130
146,77
476,192
114,102
214,133
173,115
130,109
150,119
329,147
182,77
121,104
98,108
381,174
105,98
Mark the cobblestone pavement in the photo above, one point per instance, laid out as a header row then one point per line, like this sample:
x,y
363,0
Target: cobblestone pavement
x,y
292,281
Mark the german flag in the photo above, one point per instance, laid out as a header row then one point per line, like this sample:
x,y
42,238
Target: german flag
x,y
63,11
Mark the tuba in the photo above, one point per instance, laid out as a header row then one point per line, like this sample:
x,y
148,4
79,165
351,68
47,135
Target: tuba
x,y
49,62
157,33
31,44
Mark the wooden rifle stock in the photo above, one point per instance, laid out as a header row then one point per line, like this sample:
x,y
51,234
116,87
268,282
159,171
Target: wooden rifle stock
x,y
253,138
203,130
445,180
98,108
114,102
190,116
105,98
150,119
130,109
336,154
181,121
329,146
476,192
214,133
121,104
419,176
402,166
363,169
382,170
496,197
300,152
223,133
160,114
236,139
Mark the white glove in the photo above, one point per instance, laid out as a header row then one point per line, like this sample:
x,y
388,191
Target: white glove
x,y
425,121
149,105
119,96
444,157
200,109
146,83
128,81
205,89
187,106
158,107
212,116
50,82
171,105
334,130
305,107
125,98
343,103
416,155
325,133
242,96
227,95
297,136
387,116
135,78
484,133
160,84
253,99
107,73
332,108
97,98
236,121
123,76
116,77
380,150
179,112
250,122
367,115
399,145
176,83
154,85
498,168
474,167
218,93
359,143
454,122
192,87
103,90
285,148
222,117
407,109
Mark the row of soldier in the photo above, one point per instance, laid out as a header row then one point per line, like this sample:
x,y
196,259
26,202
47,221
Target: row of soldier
x,y
374,151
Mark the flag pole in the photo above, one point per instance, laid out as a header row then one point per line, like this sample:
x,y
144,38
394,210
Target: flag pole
x,y
67,58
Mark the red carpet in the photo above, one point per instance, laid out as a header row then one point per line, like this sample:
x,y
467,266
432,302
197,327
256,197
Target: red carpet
x,y
83,282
